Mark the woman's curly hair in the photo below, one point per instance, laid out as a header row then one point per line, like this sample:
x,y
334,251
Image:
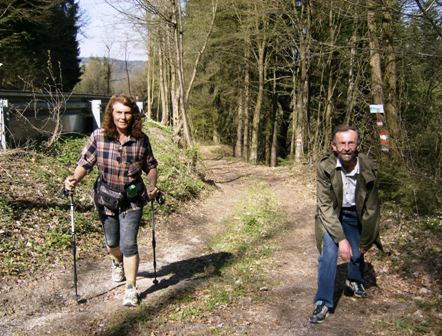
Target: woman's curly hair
x,y
135,128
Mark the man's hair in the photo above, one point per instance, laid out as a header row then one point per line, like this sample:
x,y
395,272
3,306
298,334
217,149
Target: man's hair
x,y
135,127
345,128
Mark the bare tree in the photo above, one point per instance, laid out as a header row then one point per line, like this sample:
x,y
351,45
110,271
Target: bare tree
x,y
51,99
390,76
375,59
240,125
166,17
301,106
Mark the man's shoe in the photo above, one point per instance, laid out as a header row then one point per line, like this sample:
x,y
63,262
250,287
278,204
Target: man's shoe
x,y
117,271
319,314
130,296
357,288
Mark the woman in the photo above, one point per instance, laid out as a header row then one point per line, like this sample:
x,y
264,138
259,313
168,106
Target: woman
x,y
121,152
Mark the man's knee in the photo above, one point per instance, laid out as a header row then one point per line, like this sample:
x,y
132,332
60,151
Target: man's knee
x,y
329,247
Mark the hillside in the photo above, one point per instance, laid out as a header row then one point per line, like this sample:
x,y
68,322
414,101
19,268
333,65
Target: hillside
x,y
238,258
118,73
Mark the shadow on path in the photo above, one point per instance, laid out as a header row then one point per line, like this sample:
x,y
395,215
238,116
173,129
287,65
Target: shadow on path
x,y
197,269
341,276
207,266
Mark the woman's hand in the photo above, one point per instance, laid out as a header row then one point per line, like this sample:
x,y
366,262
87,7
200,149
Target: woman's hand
x,y
70,183
152,193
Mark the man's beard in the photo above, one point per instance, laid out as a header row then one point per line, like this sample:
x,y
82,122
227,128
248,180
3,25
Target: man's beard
x,y
348,157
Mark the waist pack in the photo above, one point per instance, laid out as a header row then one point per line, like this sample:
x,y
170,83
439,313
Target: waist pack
x,y
107,196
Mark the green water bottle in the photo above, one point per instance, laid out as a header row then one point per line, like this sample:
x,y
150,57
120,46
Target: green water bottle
x,y
132,191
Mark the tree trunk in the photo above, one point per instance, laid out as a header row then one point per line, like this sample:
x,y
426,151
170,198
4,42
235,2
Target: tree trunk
x,y
351,89
391,105
375,57
317,141
273,150
178,34
301,101
150,77
331,85
375,61
245,151
163,87
274,153
239,126
203,48
328,112
294,115
253,157
303,88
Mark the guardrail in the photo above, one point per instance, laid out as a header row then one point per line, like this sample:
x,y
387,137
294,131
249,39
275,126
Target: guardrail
x,y
28,116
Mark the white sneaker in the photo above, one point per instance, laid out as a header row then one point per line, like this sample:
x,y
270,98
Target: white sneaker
x,y
117,272
130,296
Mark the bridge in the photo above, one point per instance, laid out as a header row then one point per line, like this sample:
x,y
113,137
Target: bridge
x,y
28,116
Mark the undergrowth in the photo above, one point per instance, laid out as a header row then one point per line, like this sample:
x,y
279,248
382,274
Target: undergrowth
x,y
414,246
412,236
413,193
181,171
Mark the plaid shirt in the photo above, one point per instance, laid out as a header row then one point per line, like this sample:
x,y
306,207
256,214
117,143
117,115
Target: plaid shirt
x,y
118,164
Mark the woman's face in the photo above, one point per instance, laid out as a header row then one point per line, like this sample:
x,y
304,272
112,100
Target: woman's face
x,y
122,117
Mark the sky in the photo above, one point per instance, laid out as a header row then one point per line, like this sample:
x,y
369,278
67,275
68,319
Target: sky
x,y
103,25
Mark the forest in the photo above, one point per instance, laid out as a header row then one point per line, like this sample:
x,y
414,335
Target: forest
x,y
39,44
271,79
241,98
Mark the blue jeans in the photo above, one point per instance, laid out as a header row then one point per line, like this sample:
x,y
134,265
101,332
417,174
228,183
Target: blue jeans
x,y
122,230
329,257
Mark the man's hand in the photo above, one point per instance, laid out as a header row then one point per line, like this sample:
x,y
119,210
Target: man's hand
x,y
70,183
345,250
152,193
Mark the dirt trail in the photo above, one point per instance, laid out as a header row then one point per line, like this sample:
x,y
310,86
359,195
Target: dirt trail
x,y
45,305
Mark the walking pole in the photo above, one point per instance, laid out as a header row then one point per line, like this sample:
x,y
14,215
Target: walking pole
x,y
74,244
154,243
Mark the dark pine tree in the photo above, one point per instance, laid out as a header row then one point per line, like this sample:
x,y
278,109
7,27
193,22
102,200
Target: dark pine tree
x,y
61,38
34,32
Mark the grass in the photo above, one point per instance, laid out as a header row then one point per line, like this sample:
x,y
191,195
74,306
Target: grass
x,y
415,246
181,171
249,238
34,216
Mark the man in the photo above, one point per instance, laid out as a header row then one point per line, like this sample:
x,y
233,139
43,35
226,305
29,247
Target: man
x,y
121,152
347,217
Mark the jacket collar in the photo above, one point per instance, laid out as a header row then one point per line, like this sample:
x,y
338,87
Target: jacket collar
x,y
366,167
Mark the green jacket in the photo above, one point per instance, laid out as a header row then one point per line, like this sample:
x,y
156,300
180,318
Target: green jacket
x,y
329,201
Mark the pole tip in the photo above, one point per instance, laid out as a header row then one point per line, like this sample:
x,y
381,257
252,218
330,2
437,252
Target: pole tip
x,y
78,299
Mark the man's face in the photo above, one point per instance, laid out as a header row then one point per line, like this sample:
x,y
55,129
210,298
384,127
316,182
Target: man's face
x,y
346,146
122,116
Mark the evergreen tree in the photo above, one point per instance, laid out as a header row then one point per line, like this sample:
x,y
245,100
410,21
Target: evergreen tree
x,y
33,33
61,41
